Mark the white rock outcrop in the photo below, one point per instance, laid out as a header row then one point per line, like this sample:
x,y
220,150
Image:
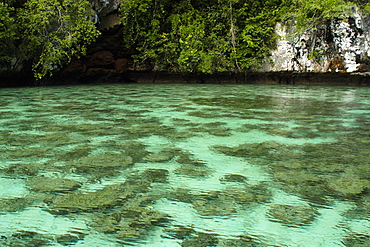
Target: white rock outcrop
x,y
335,46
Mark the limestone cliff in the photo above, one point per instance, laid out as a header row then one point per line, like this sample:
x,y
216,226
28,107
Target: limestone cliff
x,y
336,46
106,13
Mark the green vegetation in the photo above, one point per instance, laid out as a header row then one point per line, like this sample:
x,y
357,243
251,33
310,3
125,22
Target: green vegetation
x,y
47,33
7,33
186,36
308,14
201,36
217,35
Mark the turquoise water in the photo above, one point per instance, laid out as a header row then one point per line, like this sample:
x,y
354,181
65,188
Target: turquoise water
x,y
185,165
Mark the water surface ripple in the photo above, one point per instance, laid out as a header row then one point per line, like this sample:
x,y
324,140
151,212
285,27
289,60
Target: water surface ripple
x,y
185,165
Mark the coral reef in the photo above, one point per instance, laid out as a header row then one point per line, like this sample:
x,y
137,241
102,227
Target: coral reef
x,y
133,217
348,184
249,150
233,178
14,204
31,238
194,171
201,239
30,152
22,169
112,161
212,239
102,163
107,197
357,240
180,231
292,215
214,203
45,184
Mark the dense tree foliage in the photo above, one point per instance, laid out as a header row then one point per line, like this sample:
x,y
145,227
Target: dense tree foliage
x,y
7,33
218,35
307,14
48,33
170,35
201,36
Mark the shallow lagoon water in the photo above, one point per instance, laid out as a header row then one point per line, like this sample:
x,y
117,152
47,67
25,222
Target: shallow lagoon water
x,y
185,165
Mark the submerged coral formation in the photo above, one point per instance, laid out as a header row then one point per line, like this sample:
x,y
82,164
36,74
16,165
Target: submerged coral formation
x,y
212,239
302,169
214,204
14,204
233,178
32,238
107,197
45,184
349,184
133,164
102,164
292,214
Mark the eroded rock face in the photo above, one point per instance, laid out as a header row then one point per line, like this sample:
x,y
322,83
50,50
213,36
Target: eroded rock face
x,y
105,7
121,65
75,68
336,46
101,59
109,21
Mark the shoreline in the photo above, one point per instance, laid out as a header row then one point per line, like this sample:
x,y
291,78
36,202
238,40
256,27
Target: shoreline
x,y
282,77
287,78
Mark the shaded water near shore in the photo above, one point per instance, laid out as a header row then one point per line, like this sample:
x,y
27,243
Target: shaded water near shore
x,y
185,165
